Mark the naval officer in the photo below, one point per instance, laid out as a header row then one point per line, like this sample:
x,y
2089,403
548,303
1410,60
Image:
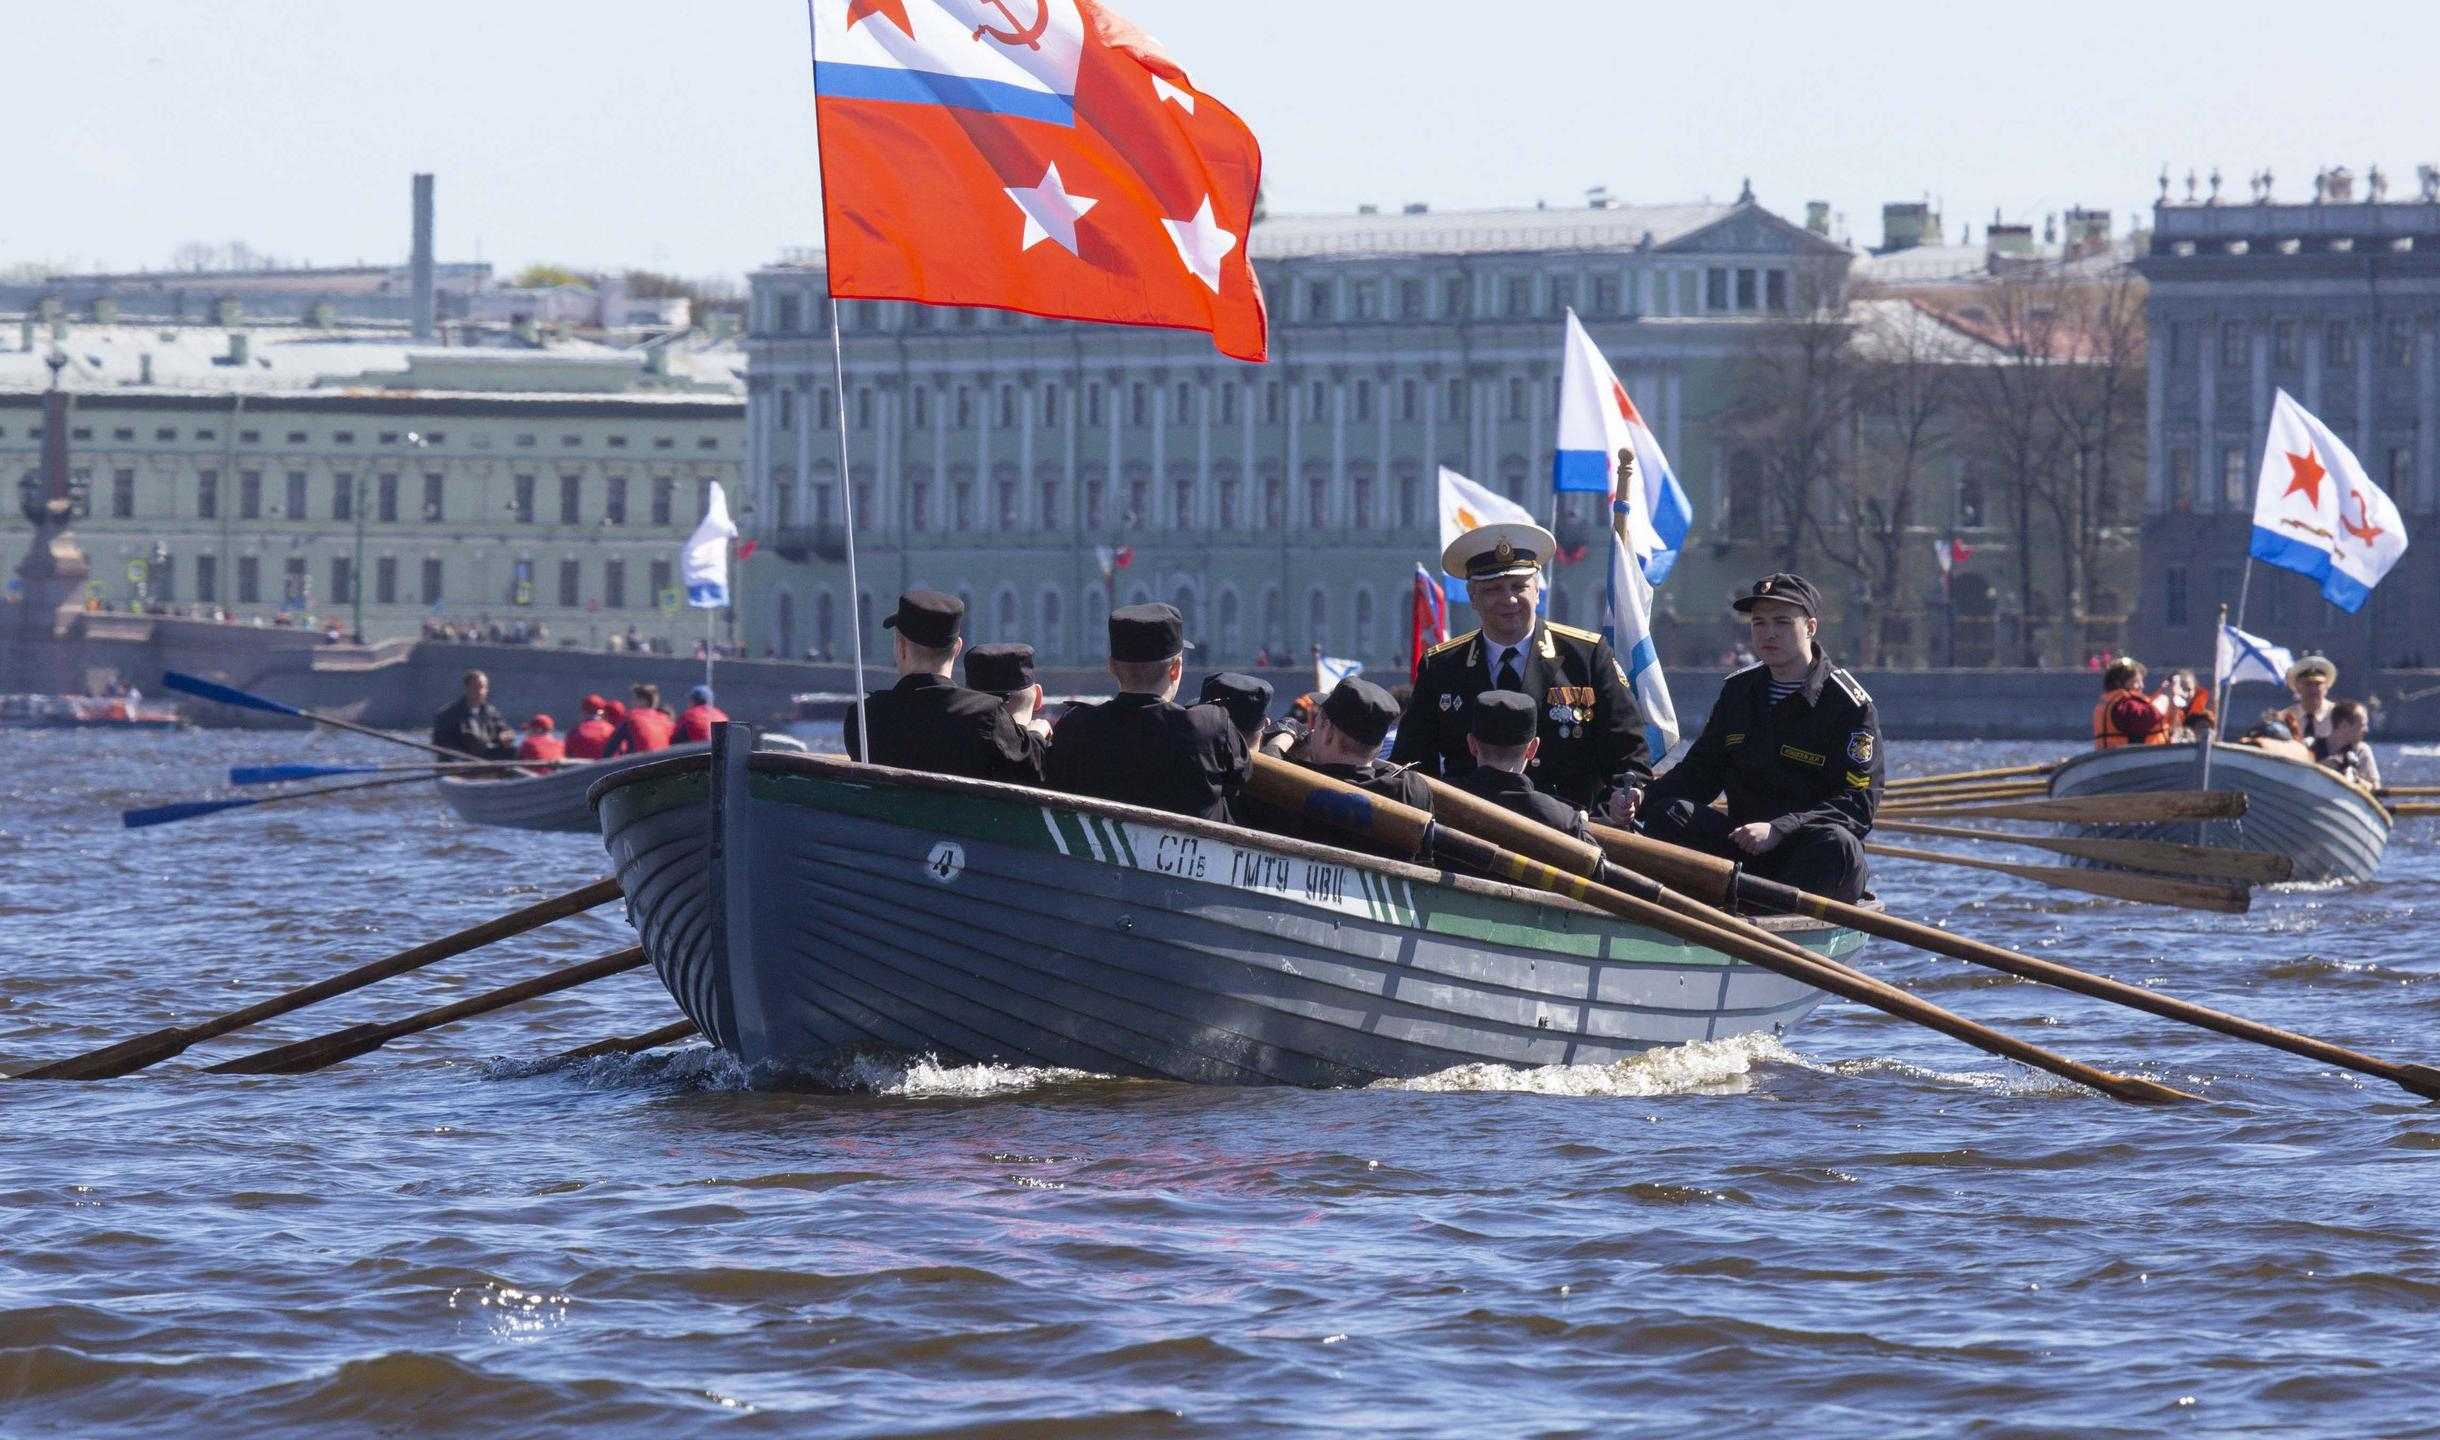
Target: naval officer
x,y
1592,754
1795,745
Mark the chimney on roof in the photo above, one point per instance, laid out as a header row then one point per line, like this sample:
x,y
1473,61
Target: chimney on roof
x,y
1817,216
1368,209
1599,198
241,348
144,368
2088,232
105,310
322,315
421,316
1908,224
1418,207
2011,240
228,310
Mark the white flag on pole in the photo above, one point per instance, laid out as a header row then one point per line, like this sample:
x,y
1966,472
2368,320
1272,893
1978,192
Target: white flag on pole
x,y
1629,631
1328,671
704,564
2246,657
1466,506
2317,513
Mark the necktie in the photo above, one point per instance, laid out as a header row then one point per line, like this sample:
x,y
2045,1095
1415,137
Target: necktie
x,y
1510,678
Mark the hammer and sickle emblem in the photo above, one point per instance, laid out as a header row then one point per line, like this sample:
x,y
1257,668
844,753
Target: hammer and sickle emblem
x,y
1019,32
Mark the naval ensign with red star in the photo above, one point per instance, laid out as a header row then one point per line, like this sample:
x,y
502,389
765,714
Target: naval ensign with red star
x,y
1036,155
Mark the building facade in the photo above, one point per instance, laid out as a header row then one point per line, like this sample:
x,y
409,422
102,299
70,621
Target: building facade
x,y
271,474
1282,507
2338,303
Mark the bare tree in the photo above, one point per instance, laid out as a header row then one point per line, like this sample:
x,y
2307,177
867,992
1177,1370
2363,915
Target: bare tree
x,y
1794,404
2011,410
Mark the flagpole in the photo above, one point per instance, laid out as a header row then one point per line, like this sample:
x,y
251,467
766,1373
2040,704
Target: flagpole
x,y
838,390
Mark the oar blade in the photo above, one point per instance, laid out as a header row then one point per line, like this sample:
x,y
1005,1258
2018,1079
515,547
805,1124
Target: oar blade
x,y
281,774
184,810
218,693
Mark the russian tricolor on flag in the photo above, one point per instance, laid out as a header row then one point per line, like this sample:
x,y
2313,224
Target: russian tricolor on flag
x,y
1596,421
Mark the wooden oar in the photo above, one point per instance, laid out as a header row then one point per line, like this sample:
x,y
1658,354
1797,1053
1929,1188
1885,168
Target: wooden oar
x,y
2404,791
324,1051
1955,777
2147,889
1724,882
2130,809
128,1056
218,693
1969,795
1409,831
2200,862
629,1044
2415,810
195,809
282,774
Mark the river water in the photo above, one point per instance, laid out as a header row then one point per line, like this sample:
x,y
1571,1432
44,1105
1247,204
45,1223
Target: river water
x,y
1865,1231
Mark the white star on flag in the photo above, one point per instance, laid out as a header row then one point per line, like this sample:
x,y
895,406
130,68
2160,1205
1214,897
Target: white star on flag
x,y
1166,91
1202,244
1051,212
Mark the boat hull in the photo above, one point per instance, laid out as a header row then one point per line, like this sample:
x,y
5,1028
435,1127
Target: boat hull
x,y
2335,831
803,910
555,802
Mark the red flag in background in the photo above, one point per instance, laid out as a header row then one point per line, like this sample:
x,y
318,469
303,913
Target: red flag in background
x,y
1431,621
1036,155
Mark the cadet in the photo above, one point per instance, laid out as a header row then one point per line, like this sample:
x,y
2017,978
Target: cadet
x,y
1246,699
1592,734
1345,744
926,722
1502,739
1007,671
1796,746
1144,748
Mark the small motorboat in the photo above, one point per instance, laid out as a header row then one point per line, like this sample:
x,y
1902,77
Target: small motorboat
x,y
804,909
2332,827
83,712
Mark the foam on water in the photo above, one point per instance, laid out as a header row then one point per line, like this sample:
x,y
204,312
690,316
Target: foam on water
x,y
1704,1067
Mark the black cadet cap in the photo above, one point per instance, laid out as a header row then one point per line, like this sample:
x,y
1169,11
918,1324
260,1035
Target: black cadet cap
x,y
1504,717
1794,590
1362,709
1143,633
1000,669
1246,699
928,618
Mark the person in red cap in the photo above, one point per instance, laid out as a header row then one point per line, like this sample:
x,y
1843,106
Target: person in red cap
x,y
695,722
592,734
541,743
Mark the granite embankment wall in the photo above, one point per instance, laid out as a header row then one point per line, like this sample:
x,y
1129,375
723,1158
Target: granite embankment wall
x,y
398,684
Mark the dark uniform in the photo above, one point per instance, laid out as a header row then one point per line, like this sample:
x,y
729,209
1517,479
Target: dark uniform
x,y
926,722
1143,750
1809,766
1363,711
477,730
1592,732
1506,718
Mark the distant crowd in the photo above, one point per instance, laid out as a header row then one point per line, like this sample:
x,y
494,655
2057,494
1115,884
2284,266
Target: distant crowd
x,y
474,727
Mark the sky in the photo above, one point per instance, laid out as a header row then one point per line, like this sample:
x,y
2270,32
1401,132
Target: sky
x,y
620,133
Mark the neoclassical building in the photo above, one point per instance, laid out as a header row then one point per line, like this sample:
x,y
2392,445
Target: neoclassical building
x,y
1281,506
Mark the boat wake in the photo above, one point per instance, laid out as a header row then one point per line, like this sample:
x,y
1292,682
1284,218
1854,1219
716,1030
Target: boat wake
x,y
890,1076
1705,1067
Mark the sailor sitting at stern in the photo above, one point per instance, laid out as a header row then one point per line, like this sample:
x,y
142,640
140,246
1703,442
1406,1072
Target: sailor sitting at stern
x,y
1795,744
1592,752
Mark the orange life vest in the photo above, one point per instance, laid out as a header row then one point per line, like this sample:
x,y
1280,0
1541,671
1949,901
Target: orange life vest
x,y
2127,717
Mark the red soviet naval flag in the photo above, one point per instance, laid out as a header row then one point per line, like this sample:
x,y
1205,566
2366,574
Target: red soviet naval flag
x,y
1035,155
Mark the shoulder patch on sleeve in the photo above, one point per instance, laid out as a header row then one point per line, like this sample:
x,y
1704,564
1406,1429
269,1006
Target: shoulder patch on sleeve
x,y
1452,644
1846,682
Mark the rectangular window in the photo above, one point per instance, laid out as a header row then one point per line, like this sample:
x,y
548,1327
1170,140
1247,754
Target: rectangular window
x,y
1605,294
342,580
919,505
1228,404
1456,398
618,442
1368,299
2181,480
1516,397
296,587
1317,300
1746,302
2401,347
1458,300
664,501
2232,344
961,505
525,442
571,580
965,408
1182,398
614,585
2173,596
1139,404
1050,504
1363,400
249,494
1408,392
1184,499
1050,404
343,498
122,494
207,578
614,499
385,499
432,581
1775,291
1096,504
2181,344
2287,344
1715,289
791,317
2338,345
207,498
1410,299
1092,403
296,495
385,580
249,580
2401,471
434,510
1562,292
1006,491
661,589
1008,406
1318,402
1520,295
2232,478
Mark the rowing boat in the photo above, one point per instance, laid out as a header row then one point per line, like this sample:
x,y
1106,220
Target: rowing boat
x,y
556,801
803,909
2334,829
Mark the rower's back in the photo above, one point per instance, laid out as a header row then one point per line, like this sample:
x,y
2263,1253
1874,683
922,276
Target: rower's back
x,y
1143,748
927,721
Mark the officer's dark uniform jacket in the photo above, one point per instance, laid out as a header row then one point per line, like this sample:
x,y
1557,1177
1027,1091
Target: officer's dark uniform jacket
x,y
1391,782
478,731
1592,733
1813,759
927,723
1143,750
1516,795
